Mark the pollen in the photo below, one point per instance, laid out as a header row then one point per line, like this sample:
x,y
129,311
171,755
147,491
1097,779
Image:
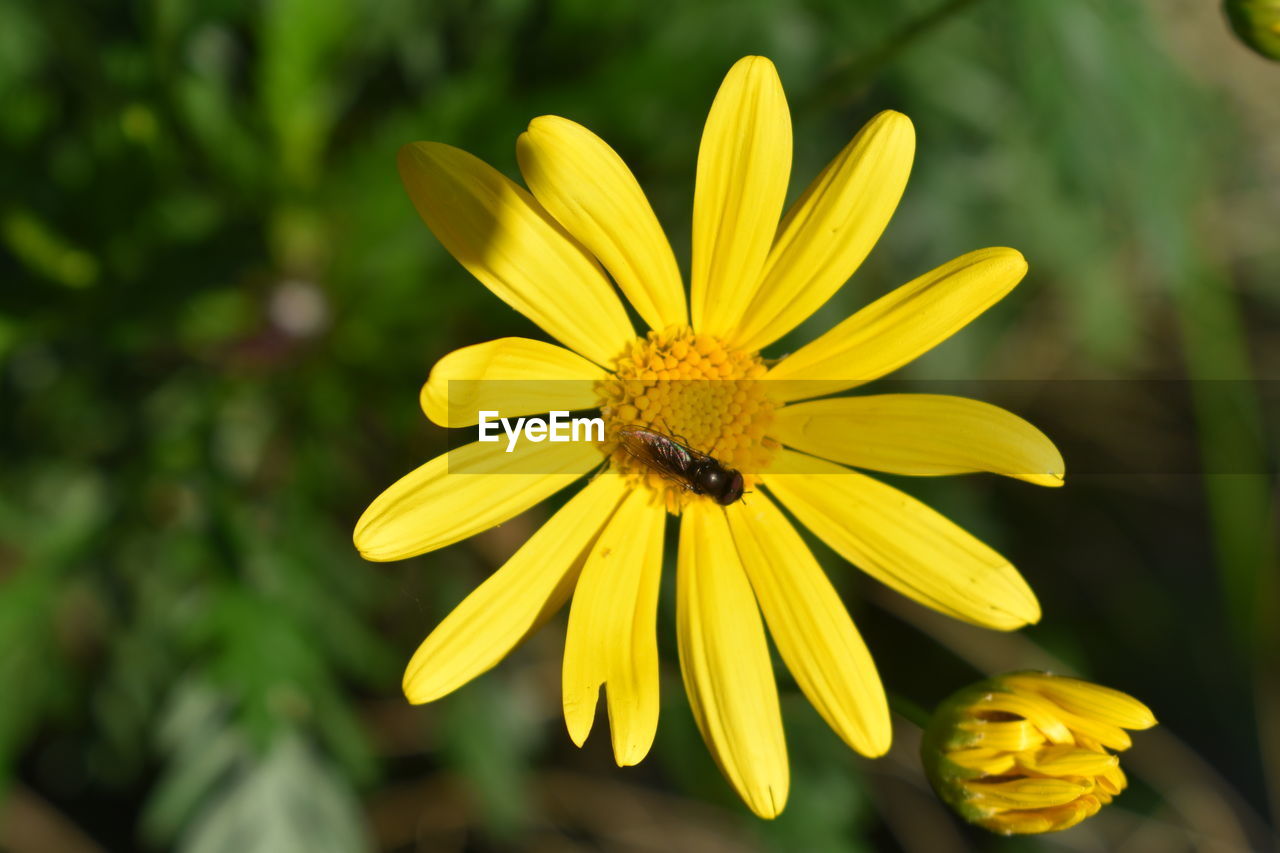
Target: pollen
x,y
696,390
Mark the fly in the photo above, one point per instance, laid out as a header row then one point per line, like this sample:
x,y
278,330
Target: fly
x,y
697,472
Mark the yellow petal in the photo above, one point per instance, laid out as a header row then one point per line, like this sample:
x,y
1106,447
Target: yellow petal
x,y
514,376
464,491
898,327
1010,736
811,627
1097,731
903,543
920,435
984,760
830,229
1067,760
725,662
1067,816
506,240
1026,793
1039,713
612,637
1018,822
515,599
587,187
1088,700
1053,819
1113,780
744,163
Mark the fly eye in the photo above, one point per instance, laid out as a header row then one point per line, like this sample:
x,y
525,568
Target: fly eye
x,y
732,489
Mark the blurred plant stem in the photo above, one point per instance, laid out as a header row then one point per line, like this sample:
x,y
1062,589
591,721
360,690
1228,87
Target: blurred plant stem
x,y
1238,487
908,710
1232,444
852,74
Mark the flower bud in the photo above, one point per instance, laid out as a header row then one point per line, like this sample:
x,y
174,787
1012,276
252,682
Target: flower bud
x,y
1030,752
1257,23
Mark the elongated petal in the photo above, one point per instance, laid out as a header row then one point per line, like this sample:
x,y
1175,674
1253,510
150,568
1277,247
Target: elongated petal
x,y
515,376
464,491
612,638
506,240
921,435
1039,713
1055,819
587,187
1067,760
1087,700
811,626
897,328
988,762
1003,736
1112,737
903,543
725,662
744,163
1033,793
830,229
514,600
1113,781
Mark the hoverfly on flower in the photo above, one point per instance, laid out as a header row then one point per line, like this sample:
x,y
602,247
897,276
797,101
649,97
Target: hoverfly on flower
x,y
695,471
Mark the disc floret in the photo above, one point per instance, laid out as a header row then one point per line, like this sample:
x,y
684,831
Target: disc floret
x,y
695,389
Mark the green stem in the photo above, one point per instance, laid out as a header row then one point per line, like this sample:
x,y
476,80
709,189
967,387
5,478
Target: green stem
x,y
855,73
908,710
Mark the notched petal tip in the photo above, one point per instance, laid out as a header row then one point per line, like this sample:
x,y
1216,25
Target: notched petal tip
x,y
1054,473
894,122
1017,607
895,116
770,805
363,537
1028,609
1011,261
412,688
755,62
367,536
879,747
551,123
630,753
1032,614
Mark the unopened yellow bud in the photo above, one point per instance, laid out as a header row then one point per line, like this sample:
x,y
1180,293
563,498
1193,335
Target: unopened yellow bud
x,y
1257,23
1030,752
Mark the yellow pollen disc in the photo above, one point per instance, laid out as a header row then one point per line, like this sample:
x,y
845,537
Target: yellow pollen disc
x,y
695,390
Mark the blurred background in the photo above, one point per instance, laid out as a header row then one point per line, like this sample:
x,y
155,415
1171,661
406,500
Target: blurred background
x,y
218,306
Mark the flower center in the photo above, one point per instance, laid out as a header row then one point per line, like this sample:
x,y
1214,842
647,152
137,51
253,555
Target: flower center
x,y
695,390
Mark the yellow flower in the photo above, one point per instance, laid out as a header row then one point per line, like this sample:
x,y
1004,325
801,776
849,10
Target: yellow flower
x,y
554,254
1028,752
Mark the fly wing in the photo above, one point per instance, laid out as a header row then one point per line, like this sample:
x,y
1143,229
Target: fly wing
x,y
663,454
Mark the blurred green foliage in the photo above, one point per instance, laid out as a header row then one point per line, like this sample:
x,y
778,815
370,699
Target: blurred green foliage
x,y
217,307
